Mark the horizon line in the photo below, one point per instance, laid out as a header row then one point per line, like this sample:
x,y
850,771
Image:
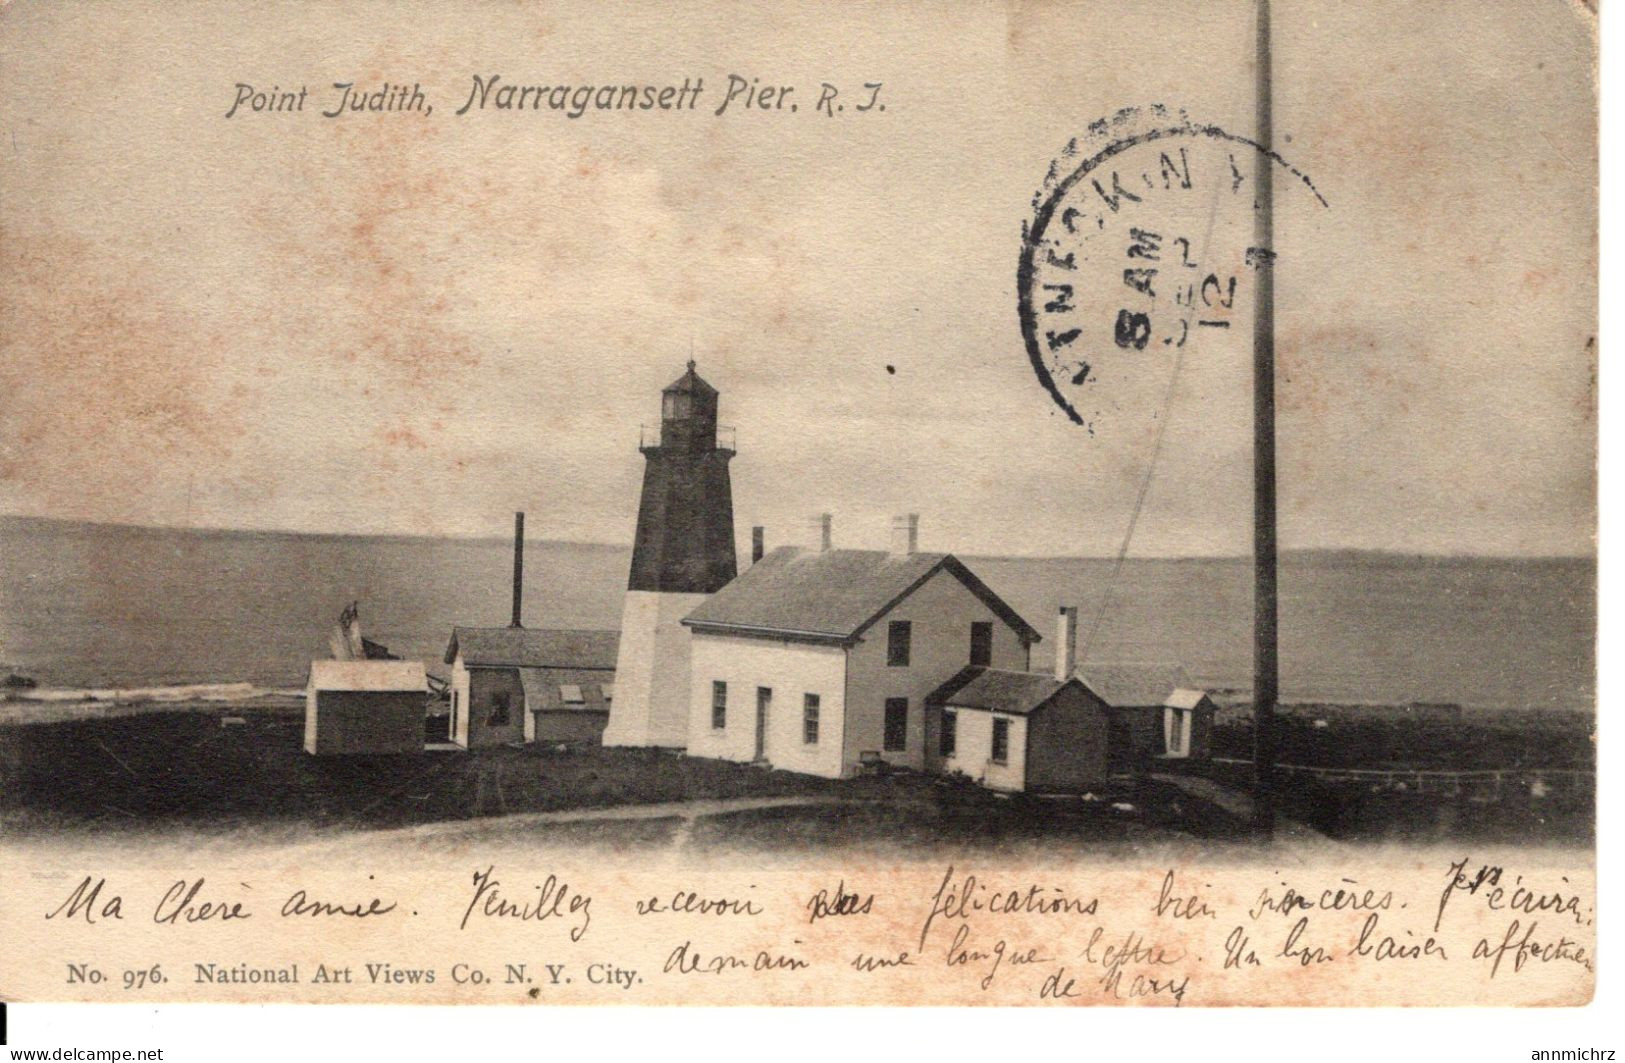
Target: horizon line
x,y
1387,552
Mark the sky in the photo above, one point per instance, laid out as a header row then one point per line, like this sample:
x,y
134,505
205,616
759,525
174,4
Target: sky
x,y
417,324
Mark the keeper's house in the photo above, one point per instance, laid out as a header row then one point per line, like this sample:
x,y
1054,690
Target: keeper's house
x,y
821,660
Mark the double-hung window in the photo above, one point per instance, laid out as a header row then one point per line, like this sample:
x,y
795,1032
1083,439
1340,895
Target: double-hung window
x,y
719,705
899,635
1001,741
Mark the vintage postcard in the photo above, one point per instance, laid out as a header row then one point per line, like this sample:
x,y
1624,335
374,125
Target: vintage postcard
x,y
918,503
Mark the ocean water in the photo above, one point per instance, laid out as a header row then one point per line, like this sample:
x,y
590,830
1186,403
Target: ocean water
x,y
95,605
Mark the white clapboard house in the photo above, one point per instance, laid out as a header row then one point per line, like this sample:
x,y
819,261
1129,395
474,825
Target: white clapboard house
x,y
821,660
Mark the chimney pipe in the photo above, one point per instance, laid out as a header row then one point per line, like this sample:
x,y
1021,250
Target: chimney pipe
x,y
905,534
818,532
1066,643
757,545
518,568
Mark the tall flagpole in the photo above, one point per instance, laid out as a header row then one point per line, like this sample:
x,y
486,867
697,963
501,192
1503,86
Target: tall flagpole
x,y
1266,664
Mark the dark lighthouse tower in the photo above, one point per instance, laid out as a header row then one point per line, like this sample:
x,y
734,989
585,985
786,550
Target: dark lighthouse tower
x,y
683,552
685,540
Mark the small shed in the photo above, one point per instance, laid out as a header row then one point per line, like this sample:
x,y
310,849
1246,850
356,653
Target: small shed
x,y
1187,724
1157,713
365,707
567,705
516,684
1022,731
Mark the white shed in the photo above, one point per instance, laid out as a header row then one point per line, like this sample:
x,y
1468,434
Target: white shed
x,y
365,707
1187,722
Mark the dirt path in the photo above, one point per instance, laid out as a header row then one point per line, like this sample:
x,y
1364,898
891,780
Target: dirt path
x,y
516,825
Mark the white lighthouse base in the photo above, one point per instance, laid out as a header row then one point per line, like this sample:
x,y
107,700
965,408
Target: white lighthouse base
x,y
652,672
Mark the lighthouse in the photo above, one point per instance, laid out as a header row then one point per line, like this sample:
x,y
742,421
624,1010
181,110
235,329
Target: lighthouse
x,y
683,552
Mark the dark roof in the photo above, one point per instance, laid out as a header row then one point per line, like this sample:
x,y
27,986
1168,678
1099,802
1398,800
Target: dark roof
x,y
522,647
1132,685
690,381
998,690
833,595
542,693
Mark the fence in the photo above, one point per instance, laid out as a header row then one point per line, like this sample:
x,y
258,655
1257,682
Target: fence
x,y
1483,782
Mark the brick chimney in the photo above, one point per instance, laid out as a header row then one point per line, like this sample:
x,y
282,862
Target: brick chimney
x,y
1066,643
757,543
818,532
905,534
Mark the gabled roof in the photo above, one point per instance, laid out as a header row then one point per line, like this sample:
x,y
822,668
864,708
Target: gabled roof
x,y
522,647
998,690
542,693
833,595
1185,698
377,676
1133,685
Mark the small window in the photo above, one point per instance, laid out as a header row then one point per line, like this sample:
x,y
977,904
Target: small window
x,y
950,735
896,725
898,636
1001,741
809,719
608,690
719,705
981,643
570,694
499,710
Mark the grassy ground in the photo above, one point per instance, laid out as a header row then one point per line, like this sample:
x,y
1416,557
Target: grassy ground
x,y
188,771
1504,741
922,817
1500,740
1352,812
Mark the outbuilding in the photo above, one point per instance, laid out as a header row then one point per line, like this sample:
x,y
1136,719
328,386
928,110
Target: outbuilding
x,y
1156,713
365,707
516,684
1187,724
1022,731
567,706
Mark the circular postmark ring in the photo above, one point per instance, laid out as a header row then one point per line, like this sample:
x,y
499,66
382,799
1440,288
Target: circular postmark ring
x,y
1112,140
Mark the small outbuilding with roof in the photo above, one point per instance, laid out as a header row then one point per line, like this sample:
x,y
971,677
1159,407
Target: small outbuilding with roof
x,y
365,707
517,684
1157,713
1187,724
1022,731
